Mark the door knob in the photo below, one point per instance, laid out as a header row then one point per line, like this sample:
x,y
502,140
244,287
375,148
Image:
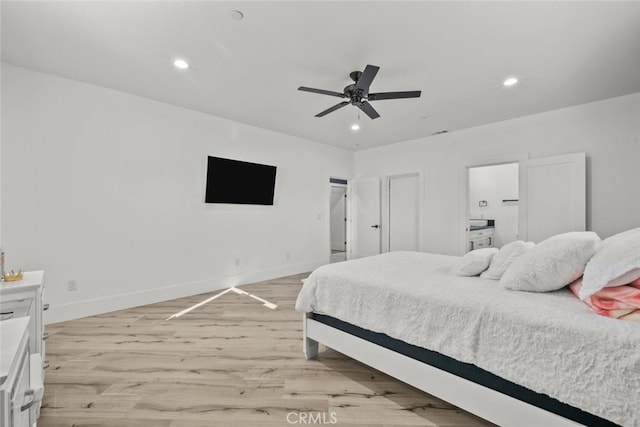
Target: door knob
x,y
375,226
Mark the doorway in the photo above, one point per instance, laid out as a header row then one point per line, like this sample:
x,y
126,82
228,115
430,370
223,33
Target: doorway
x,y
493,205
338,219
551,198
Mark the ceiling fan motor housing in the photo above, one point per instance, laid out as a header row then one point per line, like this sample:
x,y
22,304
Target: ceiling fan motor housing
x,y
353,95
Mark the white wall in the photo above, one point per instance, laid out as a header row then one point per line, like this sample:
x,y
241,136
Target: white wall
x,y
608,131
494,184
1,97
107,189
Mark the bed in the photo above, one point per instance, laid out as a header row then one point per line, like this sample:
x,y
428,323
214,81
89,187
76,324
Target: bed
x,y
513,358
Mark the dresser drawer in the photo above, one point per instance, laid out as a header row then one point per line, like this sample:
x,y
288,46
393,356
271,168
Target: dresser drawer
x,y
14,309
484,242
476,234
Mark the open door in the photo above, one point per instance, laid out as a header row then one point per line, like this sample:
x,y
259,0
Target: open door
x,y
552,196
365,217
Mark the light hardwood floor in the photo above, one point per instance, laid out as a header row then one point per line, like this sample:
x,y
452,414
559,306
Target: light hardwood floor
x,y
231,362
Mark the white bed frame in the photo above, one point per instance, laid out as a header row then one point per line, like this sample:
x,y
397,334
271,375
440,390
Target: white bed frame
x,y
484,402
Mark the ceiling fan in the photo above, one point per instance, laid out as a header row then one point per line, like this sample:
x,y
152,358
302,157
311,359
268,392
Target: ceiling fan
x,y
358,94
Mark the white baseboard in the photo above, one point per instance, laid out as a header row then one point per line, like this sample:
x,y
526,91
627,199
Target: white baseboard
x,y
79,309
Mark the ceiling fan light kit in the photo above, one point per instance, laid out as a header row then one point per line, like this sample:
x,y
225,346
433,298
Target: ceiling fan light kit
x,y
358,94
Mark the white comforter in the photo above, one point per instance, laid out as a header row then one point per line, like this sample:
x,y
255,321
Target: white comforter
x,y
551,343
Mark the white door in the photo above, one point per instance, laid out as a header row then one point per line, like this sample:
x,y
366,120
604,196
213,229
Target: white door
x,y
365,216
338,222
552,196
403,213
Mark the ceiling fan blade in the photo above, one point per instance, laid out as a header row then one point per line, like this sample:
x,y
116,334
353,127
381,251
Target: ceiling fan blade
x,y
332,109
394,95
368,110
366,78
321,91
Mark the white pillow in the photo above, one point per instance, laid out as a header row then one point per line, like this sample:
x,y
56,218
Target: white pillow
x,y
475,262
633,233
616,263
505,257
553,263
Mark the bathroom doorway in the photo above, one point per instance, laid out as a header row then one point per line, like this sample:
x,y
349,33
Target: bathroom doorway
x,y
493,205
549,198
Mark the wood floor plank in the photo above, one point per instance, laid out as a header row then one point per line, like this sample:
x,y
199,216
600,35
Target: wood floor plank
x,y
105,422
231,362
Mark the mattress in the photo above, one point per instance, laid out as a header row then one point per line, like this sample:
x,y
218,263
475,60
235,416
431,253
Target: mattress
x,y
551,343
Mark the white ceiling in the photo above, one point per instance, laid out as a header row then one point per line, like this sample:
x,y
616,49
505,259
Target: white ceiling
x,y
457,53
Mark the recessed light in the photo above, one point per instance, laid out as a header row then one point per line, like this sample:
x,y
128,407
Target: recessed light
x,y
181,63
236,14
355,126
510,81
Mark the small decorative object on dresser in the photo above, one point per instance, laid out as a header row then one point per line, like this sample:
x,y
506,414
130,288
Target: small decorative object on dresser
x,y
12,276
8,277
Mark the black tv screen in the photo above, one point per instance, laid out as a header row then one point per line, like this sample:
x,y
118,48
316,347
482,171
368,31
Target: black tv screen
x,y
233,181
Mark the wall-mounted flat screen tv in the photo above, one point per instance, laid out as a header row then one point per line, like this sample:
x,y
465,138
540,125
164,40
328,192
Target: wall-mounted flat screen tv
x,y
237,182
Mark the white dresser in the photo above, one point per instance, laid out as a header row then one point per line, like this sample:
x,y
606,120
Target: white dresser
x,y
482,238
24,300
16,395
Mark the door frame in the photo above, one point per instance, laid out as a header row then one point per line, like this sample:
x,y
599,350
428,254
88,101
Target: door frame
x,y
463,190
385,202
347,236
